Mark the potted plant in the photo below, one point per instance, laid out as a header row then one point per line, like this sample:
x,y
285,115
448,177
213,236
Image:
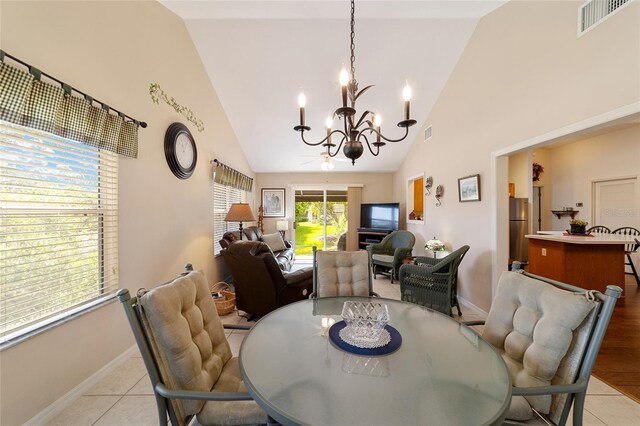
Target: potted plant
x,y
435,246
578,226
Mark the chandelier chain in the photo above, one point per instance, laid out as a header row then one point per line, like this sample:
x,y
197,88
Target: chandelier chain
x,y
353,43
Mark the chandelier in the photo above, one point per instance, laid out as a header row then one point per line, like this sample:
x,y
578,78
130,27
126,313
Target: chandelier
x,y
354,133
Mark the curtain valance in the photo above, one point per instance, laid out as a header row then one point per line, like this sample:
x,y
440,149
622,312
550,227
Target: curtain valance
x,y
225,175
30,102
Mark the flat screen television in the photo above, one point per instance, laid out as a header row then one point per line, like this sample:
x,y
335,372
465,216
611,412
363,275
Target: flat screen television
x,y
380,216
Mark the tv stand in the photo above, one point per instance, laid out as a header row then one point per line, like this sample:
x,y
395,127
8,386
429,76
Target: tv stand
x,y
368,236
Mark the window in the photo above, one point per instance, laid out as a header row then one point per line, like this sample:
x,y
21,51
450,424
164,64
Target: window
x,y
59,228
223,197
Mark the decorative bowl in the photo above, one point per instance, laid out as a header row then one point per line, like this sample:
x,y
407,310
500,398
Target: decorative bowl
x,y
365,320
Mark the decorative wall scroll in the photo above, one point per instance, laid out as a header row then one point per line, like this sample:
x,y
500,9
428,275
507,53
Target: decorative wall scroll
x,y
157,93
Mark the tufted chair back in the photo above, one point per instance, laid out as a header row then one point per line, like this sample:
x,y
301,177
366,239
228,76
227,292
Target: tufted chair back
x,y
341,273
187,356
541,332
186,336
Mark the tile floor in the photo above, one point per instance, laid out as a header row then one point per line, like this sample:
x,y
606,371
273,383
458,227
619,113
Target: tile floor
x,y
125,397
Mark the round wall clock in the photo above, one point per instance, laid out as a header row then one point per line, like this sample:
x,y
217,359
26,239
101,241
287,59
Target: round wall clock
x,y
180,150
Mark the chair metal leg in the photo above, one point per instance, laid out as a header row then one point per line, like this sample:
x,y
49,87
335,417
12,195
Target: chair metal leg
x,y
578,408
633,269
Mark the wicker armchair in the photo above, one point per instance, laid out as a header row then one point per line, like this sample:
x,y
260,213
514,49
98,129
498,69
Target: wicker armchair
x,y
433,282
390,252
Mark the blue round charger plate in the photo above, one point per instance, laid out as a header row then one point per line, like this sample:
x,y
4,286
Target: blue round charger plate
x,y
392,346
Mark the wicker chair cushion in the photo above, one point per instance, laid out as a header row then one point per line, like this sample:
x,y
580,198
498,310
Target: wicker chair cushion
x,y
532,327
343,273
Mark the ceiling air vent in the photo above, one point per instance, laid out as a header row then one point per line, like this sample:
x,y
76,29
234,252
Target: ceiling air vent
x,y
427,133
593,12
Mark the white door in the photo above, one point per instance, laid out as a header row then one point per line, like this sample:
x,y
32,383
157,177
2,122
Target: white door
x,y
616,203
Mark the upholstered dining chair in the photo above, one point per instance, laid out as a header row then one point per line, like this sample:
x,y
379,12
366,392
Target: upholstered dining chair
x,y
629,249
433,282
389,253
549,334
341,273
187,356
598,229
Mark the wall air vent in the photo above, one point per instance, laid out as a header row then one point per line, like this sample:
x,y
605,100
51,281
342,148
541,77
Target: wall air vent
x,y
427,133
593,12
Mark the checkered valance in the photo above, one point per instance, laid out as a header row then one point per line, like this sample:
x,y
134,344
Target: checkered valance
x,y
30,102
225,175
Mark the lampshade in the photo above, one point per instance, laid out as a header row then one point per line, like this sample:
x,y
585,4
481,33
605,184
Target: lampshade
x,y
282,225
240,212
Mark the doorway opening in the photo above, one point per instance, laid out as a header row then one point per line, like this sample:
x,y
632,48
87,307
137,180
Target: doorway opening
x,y
320,220
617,359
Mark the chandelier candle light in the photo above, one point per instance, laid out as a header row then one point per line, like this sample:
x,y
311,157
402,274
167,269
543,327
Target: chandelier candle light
x,y
355,132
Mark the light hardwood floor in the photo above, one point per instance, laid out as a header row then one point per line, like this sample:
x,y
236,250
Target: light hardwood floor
x,y
125,397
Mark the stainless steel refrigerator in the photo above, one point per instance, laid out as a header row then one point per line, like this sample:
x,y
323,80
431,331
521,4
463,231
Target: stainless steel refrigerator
x,y
518,228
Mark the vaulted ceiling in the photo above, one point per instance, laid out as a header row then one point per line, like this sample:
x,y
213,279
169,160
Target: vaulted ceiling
x,y
261,54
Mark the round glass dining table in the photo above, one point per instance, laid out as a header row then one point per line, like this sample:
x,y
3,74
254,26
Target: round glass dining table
x,y
442,373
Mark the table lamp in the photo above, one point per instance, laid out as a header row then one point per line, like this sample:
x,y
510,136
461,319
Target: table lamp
x,y
240,212
282,226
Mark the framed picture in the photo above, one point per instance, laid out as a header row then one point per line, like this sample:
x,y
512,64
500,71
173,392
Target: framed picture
x,y
273,202
469,188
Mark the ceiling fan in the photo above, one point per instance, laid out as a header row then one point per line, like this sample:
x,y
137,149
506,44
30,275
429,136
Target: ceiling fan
x,y
326,161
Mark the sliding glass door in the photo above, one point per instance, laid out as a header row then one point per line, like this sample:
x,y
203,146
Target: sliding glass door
x,y
320,220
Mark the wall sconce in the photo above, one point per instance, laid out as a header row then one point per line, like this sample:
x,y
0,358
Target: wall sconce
x,y
439,194
240,212
428,184
282,226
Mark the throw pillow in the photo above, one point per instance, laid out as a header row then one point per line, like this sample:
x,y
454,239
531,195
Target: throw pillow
x,y
274,241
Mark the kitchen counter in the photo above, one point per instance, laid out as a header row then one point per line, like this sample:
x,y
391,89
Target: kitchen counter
x,y
589,262
579,239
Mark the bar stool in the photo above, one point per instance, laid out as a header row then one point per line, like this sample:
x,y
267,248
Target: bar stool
x,y
630,248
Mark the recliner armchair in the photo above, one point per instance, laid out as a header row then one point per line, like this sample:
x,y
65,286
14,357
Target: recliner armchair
x,y
284,257
390,252
261,286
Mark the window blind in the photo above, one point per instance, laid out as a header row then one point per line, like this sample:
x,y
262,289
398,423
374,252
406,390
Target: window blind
x,y
223,197
59,228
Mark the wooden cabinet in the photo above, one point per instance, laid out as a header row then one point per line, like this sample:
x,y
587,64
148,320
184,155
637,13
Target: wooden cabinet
x,y
590,266
367,236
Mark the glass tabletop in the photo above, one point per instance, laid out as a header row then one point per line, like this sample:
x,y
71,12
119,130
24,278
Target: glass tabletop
x,y
442,374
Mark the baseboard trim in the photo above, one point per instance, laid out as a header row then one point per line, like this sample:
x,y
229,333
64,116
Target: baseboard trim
x,y
46,415
468,304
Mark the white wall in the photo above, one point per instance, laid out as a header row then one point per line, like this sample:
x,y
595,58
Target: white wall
x,y
614,154
524,73
519,165
542,157
113,51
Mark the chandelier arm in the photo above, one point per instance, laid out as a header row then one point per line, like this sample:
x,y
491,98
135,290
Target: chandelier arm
x,y
313,143
375,154
373,130
344,138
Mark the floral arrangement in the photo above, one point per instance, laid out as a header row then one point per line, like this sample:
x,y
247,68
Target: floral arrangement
x,y
434,245
578,222
537,170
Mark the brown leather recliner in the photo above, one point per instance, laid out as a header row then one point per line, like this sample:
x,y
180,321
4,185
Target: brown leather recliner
x,y
284,257
261,286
